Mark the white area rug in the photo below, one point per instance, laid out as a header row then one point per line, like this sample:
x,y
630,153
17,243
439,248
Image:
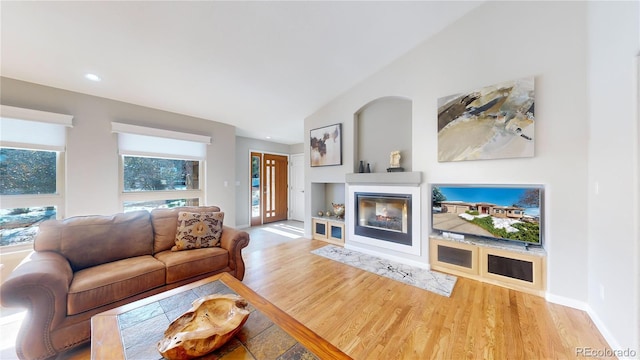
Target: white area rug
x,y
441,284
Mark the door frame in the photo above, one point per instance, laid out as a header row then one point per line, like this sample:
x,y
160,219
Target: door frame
x,y
291,189
251,218
262,152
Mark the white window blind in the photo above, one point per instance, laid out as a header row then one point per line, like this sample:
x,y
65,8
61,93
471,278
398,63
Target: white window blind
x,y
33,129
152,142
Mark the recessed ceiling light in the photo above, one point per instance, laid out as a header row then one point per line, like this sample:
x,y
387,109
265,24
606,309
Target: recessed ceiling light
x,y
268,137
93,77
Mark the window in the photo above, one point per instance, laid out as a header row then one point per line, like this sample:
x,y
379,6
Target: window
x,y
150,205
143,174
27,171
150,174
20,225
32,147
159,168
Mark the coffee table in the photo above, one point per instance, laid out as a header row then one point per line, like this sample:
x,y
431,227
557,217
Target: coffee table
x,y
132,331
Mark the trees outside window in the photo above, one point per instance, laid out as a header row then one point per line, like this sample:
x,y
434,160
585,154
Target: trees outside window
x,y
152,174
27,172
150,182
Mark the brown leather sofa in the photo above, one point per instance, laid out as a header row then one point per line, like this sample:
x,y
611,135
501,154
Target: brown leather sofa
x,y
85,265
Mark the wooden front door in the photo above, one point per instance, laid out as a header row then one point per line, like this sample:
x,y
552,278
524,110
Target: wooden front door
x,y
274,187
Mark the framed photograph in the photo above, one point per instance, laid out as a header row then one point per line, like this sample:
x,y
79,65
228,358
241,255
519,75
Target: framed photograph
x,y
493,122
326,145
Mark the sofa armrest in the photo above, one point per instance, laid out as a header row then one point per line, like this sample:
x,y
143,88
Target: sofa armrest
x,y
40,283
234,241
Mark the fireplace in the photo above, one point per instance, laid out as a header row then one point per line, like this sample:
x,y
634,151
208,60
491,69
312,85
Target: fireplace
x,y
384,220
384,216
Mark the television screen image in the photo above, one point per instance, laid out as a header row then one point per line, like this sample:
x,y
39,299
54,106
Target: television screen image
x,y
501,212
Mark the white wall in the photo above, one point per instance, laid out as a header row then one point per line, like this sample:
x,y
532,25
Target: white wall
x,y
296,148
92,150
384,126
613,218
502,41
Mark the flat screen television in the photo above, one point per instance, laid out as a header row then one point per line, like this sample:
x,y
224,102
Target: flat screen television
x,y
499,212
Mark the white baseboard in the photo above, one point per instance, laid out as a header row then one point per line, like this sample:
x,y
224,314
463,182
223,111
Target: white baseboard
x,y
581,305
613,343
565,301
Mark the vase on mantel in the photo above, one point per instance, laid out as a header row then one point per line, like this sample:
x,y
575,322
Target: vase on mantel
x,y
368,168
361,168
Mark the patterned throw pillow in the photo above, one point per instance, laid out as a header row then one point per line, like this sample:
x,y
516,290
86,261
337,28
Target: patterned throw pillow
x,y
198,230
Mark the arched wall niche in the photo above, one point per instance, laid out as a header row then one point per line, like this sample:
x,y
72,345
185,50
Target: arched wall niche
x,y
380,127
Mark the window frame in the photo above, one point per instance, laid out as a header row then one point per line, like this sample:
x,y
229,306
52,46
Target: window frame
x,y
36,122
47,119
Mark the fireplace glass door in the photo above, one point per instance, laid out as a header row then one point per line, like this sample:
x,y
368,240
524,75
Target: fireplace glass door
x,y
384,216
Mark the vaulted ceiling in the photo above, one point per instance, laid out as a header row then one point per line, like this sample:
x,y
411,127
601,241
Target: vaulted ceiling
x,y
260,66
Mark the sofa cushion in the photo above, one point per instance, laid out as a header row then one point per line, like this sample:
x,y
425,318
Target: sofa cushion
x,y
198,230
88,241
185,264
107,283
165,224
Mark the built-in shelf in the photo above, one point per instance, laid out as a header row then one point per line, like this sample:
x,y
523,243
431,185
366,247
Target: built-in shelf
x,y
329,229
388,178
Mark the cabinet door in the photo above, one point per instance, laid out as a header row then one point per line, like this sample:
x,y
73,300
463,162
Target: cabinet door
x,y
336,231
520,270
320,229
454,257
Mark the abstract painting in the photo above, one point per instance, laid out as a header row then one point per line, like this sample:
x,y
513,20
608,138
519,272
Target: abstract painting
x,y
494,122
326,145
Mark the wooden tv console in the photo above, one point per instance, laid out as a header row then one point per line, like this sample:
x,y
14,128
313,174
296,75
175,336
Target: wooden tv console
x,y
500,263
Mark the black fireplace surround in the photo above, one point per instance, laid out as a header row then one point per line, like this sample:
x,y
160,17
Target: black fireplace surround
x,y
384,217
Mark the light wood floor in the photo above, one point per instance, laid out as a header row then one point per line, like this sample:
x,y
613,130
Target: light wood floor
x,y
371,317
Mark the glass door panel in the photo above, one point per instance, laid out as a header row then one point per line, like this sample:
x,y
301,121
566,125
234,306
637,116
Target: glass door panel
x,y
256,186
